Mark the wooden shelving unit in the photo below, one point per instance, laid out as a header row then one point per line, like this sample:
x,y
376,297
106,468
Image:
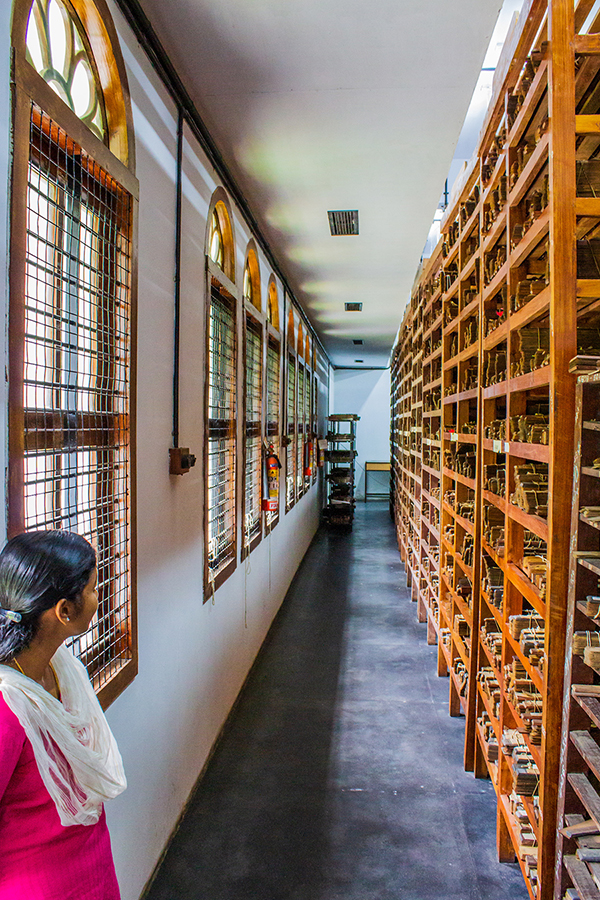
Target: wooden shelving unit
x,y
403,467
579,799
520,296
416,443
428,294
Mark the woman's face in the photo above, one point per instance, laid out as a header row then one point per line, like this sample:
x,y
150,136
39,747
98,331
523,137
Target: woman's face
x,y
89,603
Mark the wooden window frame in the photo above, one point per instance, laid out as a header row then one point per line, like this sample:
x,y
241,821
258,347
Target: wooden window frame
x,y
217,279
117,159
315,423
273,305
221,206
307,480
273,338
251,319
300,426
290,427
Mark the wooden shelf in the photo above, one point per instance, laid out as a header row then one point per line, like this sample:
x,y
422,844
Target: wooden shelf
x,y
530,172
554,308
583,882
538,86
489,239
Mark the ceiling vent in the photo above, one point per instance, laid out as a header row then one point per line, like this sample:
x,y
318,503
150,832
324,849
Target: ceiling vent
x,y
343,221
357,343
353,307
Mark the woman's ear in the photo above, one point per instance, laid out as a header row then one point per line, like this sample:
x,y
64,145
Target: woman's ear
x,y
63,611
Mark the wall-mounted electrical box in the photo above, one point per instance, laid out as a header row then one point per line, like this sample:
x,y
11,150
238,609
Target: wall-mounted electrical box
x,y
180,460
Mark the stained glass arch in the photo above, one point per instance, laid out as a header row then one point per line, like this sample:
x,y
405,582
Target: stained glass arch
x,y
220,244
73,46
215,243
251,288
273,304
58,49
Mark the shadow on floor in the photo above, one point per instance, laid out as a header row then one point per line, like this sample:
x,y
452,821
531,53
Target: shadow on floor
x,y
340,776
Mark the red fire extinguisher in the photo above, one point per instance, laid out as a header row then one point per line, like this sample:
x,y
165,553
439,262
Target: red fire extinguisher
x,y
308,452
272,466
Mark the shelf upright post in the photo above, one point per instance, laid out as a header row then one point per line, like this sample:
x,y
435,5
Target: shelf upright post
x,y
563,346
471,714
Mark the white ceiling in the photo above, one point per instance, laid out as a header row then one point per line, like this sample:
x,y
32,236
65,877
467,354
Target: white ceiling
x,y
335,104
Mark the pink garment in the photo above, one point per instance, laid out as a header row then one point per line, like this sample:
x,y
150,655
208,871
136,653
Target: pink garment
x,y
40,859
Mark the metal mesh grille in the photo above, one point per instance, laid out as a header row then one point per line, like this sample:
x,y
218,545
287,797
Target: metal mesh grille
x,y
76,373
290,469
272,389
301,438
307,418
253,461
272,427
221,431
315,426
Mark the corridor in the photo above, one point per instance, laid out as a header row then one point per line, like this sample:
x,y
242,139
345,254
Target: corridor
x,y
340,774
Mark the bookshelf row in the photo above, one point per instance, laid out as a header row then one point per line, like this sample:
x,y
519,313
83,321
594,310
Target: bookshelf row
x,y
483,424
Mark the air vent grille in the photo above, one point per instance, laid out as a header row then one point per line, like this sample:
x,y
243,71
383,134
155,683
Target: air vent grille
x,y
353,307
343,221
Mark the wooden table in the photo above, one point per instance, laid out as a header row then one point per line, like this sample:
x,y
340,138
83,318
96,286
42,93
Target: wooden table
x,y
375,467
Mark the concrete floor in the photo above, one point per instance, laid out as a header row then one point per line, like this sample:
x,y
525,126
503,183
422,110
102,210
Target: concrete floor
x,y
340,775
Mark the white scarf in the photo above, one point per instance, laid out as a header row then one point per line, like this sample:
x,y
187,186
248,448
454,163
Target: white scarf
x,y
76,753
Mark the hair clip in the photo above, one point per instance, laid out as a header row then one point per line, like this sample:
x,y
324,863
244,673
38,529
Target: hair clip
x,y
11,615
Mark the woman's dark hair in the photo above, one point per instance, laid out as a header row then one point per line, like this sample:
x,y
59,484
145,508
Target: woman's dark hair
x,y
37,569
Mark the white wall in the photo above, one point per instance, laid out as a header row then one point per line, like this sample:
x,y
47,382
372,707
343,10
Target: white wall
x,y
193,656
5,19
368,394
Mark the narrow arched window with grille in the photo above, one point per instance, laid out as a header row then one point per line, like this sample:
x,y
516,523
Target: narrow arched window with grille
x,y
290,463
253,456
300,430
315,426
221,438
71,309
273,415
220,397
308,443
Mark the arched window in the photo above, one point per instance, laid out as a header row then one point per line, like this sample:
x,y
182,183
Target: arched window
x,y
253,407
251,288
273,305
300,414
308,443
71,302
273,376
58,49
290,454
220,242
221,399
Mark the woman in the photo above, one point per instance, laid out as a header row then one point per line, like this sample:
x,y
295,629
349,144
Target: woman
x,y
58,758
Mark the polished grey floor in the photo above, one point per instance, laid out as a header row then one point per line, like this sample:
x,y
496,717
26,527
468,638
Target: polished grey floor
x,y
340,775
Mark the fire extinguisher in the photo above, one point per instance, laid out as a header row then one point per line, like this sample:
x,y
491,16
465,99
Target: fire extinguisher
x,y
272,466
308,451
